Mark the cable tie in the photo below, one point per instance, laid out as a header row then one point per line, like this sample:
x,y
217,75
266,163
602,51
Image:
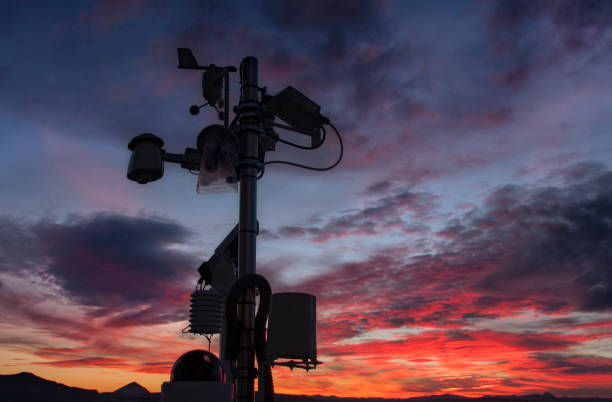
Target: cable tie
x,y
251,162
248,105
252,127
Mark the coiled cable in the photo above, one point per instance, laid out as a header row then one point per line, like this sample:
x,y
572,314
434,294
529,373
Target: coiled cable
x,y
236,329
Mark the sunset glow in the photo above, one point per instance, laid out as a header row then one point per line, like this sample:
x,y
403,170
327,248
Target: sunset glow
x,y
463,246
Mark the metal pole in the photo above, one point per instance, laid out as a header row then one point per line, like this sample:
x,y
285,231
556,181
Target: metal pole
x,y
248,117
226,103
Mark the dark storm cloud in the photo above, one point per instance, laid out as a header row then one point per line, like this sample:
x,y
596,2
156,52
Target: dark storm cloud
x,y
113,263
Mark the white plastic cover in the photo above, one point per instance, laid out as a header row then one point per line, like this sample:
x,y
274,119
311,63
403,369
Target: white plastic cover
x,y
215,169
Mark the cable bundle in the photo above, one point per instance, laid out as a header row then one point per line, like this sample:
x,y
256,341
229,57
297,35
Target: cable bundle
x,y
206,312
319,169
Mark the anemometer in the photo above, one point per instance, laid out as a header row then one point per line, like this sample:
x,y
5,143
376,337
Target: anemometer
x,y
282,331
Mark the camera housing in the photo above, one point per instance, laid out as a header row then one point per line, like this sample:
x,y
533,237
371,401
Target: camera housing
x,y
146,164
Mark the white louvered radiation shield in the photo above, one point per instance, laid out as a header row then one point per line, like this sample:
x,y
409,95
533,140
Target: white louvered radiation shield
x,y
206,312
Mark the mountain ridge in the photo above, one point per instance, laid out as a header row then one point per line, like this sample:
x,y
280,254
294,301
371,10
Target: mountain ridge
x,y
132,388
28,387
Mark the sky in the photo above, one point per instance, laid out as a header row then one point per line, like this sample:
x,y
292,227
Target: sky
x,y
463,245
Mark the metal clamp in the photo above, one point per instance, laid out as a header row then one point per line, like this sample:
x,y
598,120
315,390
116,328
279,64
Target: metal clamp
x,y
248,105
249,115
252,163
251,126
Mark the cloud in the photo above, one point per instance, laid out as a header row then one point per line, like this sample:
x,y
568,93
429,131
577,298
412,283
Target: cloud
x,y
378,187
542,249
532,36
18,246
116,265
554,242
512,78
106,13
575,364
105,362
385,214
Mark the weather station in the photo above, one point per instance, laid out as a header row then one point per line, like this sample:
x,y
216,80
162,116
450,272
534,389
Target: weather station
x,y
230,298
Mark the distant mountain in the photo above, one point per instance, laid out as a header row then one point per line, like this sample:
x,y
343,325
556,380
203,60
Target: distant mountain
x,y
133,389
27,387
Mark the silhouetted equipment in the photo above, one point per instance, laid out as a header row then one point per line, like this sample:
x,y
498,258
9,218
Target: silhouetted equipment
x,y
220,269
198,365
196,376
225,297
219,147
212,84
187,60
195,109
213,80
292,330
206,311
146,163
302,114
237,330
223,272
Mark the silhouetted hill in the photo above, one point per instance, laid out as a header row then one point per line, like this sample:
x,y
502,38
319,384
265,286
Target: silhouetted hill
x,y
546,397
27,387
439,398
132,392
133,389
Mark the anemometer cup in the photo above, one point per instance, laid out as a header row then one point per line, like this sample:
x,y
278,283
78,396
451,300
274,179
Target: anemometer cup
x,y
146,164
219,147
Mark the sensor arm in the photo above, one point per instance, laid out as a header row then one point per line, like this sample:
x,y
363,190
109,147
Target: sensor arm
x,y
190,160
283,126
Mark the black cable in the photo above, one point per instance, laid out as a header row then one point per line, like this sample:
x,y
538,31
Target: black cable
x,y
312,167
234,120
302,146
235,328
